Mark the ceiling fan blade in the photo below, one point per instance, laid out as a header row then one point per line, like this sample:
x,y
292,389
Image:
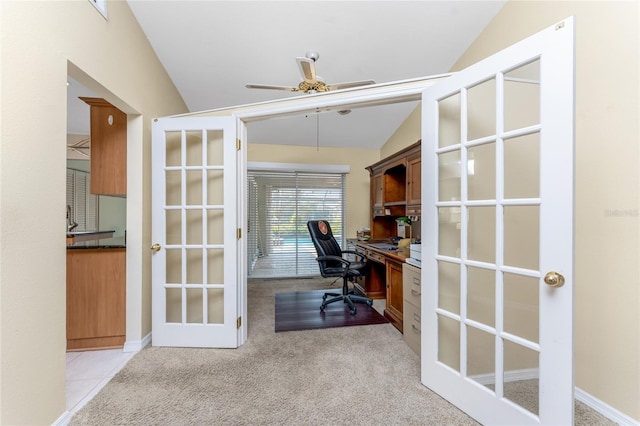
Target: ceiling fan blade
x,y
307,69
266,86
348,85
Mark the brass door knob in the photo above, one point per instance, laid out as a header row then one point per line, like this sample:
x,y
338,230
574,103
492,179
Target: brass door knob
x,y
155,247
554,279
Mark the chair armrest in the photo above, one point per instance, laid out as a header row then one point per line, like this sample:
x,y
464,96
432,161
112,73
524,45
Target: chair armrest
x,y
345,262
362,257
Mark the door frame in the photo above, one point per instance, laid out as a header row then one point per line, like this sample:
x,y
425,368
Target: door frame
x,y
368,96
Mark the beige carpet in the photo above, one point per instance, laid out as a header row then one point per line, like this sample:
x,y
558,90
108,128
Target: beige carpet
x,y
337,376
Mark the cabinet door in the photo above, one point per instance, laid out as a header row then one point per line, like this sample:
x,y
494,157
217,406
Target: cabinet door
x,y
414,175
393,310
108,148
96,292
376,190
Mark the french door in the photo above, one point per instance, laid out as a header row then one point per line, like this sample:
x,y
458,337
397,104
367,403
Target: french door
x,y
498,212
194,231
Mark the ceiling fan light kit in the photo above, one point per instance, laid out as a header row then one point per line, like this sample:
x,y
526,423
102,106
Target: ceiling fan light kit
x,y
311,82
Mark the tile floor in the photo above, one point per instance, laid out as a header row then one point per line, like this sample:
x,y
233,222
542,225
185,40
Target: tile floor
x,y
88,372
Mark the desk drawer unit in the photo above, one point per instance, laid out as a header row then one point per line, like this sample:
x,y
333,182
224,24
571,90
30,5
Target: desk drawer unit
x,y
412,291
376,257
411,326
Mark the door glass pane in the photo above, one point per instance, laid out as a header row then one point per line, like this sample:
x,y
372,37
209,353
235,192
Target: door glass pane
x,y
194,305
194,266
215,309
481,349
522,166
522,96
449,342
174,266
194,226
449,287
449,176
521,235
481,113
215,147
449,121
215,266
449,231
521,306
173,310
194,148
481,295
215,187
173,145
173,226
174,192
481,239
481,172
215,226
194,187
521,377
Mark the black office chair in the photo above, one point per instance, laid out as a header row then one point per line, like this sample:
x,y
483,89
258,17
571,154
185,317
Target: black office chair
x,y
333,264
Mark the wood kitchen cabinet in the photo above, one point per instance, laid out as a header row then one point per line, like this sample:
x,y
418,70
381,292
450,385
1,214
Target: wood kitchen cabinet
x,y
96,292
108,148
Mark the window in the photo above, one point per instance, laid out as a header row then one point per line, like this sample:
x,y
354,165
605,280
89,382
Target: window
x,y
279,206
101,5
82,204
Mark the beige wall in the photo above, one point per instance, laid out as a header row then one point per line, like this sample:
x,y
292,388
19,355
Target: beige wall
x,y
607,318
39,40
357,185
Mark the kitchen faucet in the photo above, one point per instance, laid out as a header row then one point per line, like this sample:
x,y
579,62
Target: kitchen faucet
x,y
71,224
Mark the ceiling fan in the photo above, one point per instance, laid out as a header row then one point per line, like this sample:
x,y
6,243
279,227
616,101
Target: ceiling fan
x,y
311,82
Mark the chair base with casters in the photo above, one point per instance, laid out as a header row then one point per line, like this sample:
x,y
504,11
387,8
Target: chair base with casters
x,y
347,296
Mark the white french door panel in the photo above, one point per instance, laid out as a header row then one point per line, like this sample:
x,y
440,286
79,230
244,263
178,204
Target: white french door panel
x,y
194,232
497,312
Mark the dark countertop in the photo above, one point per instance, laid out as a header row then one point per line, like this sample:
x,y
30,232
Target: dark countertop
x,y
105,243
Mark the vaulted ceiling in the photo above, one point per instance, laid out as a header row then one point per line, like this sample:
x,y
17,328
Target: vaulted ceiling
x,y
212,49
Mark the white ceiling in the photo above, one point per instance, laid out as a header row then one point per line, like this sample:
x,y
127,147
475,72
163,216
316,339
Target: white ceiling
x,y
211,49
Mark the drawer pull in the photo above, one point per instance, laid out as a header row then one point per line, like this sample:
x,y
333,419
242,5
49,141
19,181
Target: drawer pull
x,y
415,293
416,281
414,328
416,317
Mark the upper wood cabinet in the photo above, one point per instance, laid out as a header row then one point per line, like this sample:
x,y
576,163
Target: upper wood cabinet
x,y
108,148
414,184
395,189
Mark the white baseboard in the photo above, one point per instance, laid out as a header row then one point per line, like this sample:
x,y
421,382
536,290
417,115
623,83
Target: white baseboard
x,y
509,376
590,401
63,420
604,409
136,345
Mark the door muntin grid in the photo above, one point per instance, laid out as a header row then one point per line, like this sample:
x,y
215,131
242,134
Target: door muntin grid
x,y
488,205
194,227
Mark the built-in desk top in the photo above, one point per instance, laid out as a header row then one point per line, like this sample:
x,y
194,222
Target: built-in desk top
x,y
380,247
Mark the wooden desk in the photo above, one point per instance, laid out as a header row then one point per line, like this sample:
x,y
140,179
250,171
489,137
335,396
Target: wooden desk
x,y
384,278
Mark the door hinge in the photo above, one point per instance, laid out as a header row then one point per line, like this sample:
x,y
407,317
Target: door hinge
x,y
238,144
239,322
239,233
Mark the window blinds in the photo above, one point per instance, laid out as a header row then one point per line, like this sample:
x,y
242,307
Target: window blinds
x,y
279,206
84,205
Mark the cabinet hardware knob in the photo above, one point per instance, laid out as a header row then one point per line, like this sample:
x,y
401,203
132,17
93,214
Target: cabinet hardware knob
x,y
155,247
